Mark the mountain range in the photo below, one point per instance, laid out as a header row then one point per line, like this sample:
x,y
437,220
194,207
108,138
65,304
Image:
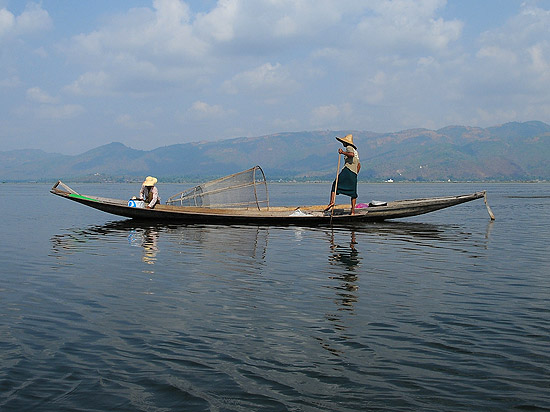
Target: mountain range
x,y
511,151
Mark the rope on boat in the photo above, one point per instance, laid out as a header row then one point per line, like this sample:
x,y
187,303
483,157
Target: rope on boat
x,y
491,214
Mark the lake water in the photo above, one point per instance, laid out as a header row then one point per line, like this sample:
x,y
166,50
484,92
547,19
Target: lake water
x,y
442,312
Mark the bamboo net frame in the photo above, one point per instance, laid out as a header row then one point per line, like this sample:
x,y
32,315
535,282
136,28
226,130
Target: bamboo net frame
x,y
246,189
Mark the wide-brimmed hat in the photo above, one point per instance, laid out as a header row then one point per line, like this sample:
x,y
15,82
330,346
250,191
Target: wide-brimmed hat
x,y
150,181
348,140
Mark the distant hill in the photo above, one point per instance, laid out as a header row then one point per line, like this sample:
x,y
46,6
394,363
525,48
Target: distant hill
x,y
512,151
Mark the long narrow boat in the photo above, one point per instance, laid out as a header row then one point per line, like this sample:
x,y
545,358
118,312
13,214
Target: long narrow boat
x,y
259,211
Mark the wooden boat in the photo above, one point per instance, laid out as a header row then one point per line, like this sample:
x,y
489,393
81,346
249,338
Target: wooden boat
x,y
258,211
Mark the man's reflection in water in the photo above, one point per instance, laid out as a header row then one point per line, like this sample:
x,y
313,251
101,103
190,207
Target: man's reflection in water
x,y
347,256
345,261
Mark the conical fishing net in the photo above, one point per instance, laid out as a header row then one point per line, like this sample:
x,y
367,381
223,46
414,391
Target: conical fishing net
x,y
247,189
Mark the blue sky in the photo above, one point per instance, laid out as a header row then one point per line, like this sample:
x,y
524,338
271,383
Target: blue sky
x,y
78,74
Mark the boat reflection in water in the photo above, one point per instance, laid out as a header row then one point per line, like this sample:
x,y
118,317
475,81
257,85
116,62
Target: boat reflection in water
x,y
249,257
159,240
219,243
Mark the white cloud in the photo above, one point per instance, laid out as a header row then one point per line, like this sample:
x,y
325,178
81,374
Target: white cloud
x,y
218,24
179,46
204,113
7,22
129,122
271,23
49,107
327,113
91,84
152,50
512,61
407,27
59,112
499,54
267,78
373,89
204,110
333,116
145,51
37,95
32,20
286,124
163,34
538,60
329,53
41,51
10,82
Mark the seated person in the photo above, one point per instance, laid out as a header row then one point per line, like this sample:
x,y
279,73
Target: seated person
x,y
149,192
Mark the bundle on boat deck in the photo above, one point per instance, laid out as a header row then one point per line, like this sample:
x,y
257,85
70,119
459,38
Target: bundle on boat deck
x,y
242,198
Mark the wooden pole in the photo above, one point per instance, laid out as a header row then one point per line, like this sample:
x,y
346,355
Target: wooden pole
x,y
335,189
491,214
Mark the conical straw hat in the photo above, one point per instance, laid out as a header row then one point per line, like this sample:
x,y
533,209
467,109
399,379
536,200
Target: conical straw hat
x,y
150,181
348,140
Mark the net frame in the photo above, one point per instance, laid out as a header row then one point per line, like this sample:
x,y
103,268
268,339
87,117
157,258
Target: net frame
x,y
232,191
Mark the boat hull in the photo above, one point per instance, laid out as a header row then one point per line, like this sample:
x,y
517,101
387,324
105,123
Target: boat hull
x,y
303,216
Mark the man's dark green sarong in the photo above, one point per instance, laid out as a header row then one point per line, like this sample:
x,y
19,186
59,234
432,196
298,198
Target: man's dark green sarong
x,y
347,183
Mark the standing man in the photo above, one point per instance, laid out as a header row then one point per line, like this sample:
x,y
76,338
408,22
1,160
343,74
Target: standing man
x,y
347,178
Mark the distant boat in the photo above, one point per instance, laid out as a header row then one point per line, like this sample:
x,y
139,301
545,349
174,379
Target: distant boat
x,y
242,198
389,181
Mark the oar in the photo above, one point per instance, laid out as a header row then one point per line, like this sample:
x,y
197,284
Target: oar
x,y
335,189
